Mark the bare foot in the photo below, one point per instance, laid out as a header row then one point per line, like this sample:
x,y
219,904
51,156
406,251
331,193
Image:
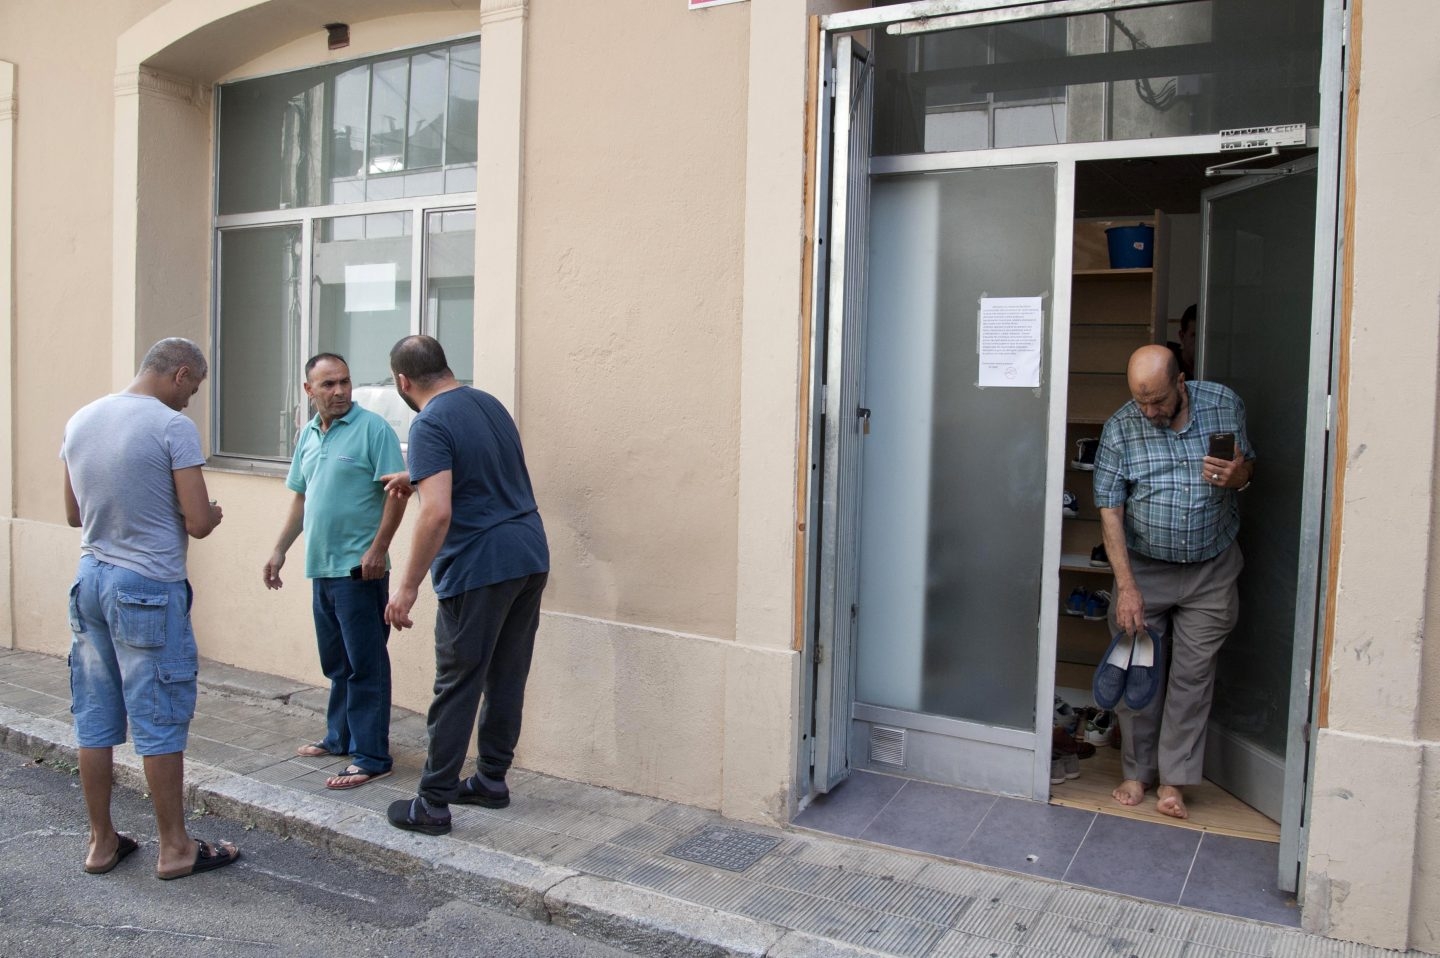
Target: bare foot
x,y
1169,801
1129,792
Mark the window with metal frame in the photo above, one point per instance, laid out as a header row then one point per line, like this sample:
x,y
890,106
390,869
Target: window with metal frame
x,y
344,220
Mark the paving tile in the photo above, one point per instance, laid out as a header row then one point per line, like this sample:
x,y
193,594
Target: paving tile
x,y
958,944
851,805
864,860
1089,905
1078,938
1159,920
929,818
998,920
1028,837
1239,937
1237,876
1141,859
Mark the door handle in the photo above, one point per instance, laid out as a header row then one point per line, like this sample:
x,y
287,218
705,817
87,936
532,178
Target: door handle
x,y
864,416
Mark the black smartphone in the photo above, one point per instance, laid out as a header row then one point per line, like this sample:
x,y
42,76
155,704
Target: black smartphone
x,y
357,573
1222,446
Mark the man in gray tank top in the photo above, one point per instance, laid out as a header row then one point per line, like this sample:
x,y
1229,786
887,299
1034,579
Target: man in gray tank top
x,y
133,486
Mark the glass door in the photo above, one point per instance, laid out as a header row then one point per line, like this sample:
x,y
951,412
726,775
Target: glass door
x,y
1257,335
955,489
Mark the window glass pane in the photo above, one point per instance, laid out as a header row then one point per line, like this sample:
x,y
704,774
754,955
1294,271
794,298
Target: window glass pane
x,y
361,284
450,288
301,139
464,108
347,135
426,146
389,93
271,133
258,374
1175,70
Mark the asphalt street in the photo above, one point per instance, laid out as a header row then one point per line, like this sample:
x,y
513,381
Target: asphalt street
x,y
282,898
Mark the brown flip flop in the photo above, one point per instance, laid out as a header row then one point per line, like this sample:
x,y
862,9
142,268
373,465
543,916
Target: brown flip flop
x,y
208,857
125,847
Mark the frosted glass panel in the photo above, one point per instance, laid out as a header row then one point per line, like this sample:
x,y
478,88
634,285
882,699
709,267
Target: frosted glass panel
x,y
953,507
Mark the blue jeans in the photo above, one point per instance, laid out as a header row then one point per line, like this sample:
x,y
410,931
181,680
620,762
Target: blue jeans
x,y
351,631
132,654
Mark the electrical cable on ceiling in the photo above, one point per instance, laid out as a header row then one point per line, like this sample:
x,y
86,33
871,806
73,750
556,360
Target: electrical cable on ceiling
x,y
1162,100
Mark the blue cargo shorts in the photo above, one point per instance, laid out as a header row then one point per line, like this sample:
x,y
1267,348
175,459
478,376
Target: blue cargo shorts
x,y
132,655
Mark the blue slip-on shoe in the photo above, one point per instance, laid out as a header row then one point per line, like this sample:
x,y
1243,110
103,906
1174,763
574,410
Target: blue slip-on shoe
x,y
1109,683
1075,605
1142,679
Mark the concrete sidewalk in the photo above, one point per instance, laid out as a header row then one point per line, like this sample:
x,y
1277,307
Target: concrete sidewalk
x,y
646,875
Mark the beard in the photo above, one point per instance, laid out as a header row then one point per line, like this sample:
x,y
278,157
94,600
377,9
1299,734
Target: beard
x,y
407,400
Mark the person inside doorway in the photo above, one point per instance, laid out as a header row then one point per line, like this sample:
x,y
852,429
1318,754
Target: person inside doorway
x,y
1169,516
1184,350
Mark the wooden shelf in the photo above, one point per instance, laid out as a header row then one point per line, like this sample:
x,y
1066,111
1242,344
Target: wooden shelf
x,y
1145,271
1076,562
1113,312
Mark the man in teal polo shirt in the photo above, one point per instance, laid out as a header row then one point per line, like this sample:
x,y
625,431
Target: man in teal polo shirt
x,y
340,503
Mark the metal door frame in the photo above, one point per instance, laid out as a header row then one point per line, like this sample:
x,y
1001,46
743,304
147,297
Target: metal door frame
x,y
1326,137
1308,585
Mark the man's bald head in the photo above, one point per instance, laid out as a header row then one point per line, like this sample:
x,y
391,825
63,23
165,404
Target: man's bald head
x,y
1157,386
1152,366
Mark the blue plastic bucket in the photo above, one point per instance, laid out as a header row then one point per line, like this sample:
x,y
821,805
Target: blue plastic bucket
x,y
1131,247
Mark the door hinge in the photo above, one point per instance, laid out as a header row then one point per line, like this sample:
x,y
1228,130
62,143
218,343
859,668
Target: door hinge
x,y
819,652
832,83
812,751
854,612
1329,412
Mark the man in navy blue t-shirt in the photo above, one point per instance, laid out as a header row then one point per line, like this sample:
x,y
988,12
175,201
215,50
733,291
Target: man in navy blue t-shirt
x,y
479,534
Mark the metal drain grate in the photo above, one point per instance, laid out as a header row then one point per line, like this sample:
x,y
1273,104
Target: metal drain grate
x,y
887,745
727,848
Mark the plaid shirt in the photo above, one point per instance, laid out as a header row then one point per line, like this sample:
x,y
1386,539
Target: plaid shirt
x,y
1171,512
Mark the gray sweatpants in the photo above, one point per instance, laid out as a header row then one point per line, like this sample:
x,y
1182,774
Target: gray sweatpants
x,y
1194,606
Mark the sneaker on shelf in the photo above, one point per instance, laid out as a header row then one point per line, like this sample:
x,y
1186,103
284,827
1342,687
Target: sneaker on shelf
x,y
1085,454
1097,606
1075,605
1071,509
1097,730
1066,719
1098,558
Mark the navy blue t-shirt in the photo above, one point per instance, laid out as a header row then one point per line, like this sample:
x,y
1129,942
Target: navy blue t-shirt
x,y
495,531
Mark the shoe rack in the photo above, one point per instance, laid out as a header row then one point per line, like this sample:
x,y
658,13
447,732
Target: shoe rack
x,y
1113,312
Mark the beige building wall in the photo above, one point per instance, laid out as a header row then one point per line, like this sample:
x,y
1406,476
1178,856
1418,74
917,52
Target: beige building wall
x,y
1374,844
630,322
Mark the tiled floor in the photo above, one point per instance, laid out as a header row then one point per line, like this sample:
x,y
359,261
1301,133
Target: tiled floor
x,y
1215,873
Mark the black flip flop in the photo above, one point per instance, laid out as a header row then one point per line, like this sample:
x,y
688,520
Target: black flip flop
x,y
208,857
125,847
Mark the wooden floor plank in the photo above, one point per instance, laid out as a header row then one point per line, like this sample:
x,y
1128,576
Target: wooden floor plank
x,y
1212,809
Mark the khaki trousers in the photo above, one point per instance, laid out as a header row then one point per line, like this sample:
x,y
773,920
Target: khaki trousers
x,y
1194,607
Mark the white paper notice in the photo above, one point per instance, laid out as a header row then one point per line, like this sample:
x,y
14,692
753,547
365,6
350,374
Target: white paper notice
x,y
369,287
1010,331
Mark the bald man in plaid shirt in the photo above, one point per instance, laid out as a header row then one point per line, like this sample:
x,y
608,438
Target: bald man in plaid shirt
x,y
1169,515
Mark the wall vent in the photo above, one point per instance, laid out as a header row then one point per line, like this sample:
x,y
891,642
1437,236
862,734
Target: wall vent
x,y
887,746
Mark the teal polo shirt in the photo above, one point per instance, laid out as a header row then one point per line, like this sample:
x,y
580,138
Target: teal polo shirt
x,y
338,473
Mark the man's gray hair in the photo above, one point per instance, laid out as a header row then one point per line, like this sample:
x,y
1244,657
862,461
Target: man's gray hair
x,y
168,355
